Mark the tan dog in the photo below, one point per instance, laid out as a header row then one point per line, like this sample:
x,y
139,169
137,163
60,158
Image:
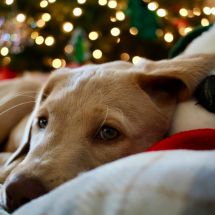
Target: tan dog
x,y
93,115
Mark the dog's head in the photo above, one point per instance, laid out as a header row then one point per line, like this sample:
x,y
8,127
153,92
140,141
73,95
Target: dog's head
x,y
96,114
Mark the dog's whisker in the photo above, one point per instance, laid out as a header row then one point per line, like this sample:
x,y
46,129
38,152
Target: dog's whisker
x,y
15,106
100,126
21,94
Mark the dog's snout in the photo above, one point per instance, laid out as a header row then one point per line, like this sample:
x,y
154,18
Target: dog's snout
x,y
22,189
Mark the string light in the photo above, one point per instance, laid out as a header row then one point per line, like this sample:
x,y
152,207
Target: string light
x,y
52,1
153,6
168,37
9,2
120,15
196,11
112,4
34,35
161,12
133,31
102,2
159,32
117,40
46,17
213,10
135,59
56,63
204,22
81,1
43,3
115,31
20,17
93,35
207,10
49,41
40,23
67,26
125,57
6,60
39,40
4,51
77,11
97,54
68,48
183,12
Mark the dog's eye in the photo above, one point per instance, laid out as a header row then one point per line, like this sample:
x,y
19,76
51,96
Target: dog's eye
x,y
42,122
109,133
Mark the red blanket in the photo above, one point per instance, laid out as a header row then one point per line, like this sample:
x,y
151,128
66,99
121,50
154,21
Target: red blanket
x,y
200,139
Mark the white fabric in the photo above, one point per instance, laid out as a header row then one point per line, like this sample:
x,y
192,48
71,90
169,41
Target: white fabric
x,y
156,183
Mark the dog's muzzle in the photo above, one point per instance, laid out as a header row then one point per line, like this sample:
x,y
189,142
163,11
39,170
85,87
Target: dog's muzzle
x,y
22,189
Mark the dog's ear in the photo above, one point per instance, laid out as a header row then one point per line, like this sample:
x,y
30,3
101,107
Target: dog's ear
x,y
25,142
177,78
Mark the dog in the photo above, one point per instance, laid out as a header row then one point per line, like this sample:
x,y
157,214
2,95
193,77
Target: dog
x,y
89,116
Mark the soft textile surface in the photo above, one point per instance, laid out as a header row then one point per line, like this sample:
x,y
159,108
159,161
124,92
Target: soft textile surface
x,y
200,139
165,182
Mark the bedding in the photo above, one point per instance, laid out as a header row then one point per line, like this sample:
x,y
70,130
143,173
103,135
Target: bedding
x,y
172,182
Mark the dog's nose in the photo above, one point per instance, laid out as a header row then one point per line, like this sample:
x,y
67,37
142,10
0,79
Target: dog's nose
x,y
22,189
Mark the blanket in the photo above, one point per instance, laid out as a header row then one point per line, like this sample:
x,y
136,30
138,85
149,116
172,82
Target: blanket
x,y
177,182
161,181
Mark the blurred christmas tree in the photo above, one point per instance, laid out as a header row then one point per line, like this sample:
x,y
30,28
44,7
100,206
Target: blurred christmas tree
x,y
42,34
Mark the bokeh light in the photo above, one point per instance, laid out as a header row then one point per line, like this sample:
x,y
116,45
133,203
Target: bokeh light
x,y
102,2
93,35
63,63
81,1
20,17
153,6
46,17
113,19
159,32
204,22
120,15
133,31
39,40
56,63
6,60
34,35
168,37
9,2
4,51
207,10
68,48
67,26
97,54
115,31
161,12
187,30
52,1
77,11
43,4
41,23
49,41
112,4
196,11
183,12
135,59
125,57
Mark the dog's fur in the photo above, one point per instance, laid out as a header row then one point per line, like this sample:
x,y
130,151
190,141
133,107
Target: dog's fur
x,y
137,100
